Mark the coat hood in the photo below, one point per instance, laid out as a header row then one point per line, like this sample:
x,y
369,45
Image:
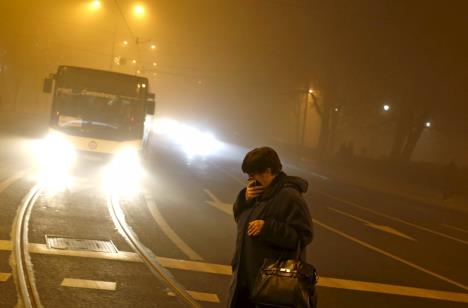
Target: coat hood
x,y
284,180
296,182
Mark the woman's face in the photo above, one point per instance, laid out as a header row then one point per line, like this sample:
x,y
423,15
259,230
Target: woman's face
x,y
264,178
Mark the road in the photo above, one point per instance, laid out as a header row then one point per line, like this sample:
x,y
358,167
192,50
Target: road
x,y
371,249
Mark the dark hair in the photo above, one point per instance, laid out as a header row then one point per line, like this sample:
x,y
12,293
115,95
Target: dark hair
x,y
260,159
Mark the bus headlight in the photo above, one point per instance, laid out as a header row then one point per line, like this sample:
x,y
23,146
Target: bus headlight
x,y
124,173
56,155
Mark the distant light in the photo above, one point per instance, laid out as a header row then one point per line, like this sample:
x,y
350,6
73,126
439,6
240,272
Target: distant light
x,y
138,71
95,5
134,61
125,43
155,64
386,107
143,85
139,10
191,140
336,109
311,91
428,124
153,46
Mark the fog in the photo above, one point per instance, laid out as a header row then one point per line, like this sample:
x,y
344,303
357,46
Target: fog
x,y
243,68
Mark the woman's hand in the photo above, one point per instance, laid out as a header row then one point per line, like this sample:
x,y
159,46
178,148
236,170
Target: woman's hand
x,y
253,191
255,227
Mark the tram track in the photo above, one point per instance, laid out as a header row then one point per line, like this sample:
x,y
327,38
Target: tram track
x,y
146,255
23,267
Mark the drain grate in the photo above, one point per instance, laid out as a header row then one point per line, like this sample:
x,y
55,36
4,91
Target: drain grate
x,y
67,243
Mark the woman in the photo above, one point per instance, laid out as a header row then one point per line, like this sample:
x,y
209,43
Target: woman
x,y
272,218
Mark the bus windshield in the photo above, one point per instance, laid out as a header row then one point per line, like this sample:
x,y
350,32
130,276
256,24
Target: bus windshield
x,y
99,117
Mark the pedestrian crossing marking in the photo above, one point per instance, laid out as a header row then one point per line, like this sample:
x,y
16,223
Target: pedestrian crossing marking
x,y
89,284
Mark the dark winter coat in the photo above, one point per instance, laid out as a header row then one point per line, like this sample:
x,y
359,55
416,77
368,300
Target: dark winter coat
x,y
287,220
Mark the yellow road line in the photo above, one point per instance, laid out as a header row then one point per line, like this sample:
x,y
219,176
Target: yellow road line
x,y
168,231
394,218
392,256
201,296
221,269
392,289
89,284
4,276
195,266
120,256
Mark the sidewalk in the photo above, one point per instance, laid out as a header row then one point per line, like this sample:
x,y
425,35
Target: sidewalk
x,y
403,187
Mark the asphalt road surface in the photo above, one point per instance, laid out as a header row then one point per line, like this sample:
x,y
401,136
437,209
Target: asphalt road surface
x,y
371,249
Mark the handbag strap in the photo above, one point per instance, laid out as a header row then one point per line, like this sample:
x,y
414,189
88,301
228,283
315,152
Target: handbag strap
x,y
297,255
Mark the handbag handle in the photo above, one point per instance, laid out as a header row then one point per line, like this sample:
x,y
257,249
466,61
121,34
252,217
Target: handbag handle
x,y
297,255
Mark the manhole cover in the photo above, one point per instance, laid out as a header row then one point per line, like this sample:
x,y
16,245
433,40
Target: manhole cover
x,y
67,243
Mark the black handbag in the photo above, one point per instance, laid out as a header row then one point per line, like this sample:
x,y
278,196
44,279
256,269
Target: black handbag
x,y
286,283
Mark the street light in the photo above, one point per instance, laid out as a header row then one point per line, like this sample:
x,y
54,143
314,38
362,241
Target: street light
x,y
386,107
153,46
428,124
139,10
155,64
95,5
125,43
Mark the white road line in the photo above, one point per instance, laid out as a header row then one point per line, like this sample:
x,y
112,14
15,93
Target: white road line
x,y
168,231
4,276
6,183
455,228
233,177
215,202
394,218
392,289
201,296
89,284
385,253
383,228
392,256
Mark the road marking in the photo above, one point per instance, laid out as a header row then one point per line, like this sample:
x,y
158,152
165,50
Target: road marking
x,y
455,228
215,202
6,183
225,270
201,296
4,276
203,267
43,249
394,218
228,174
375,226
392,256
89,284
392,289
168,231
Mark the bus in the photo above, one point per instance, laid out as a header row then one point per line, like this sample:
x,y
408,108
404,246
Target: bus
x,y
100,111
